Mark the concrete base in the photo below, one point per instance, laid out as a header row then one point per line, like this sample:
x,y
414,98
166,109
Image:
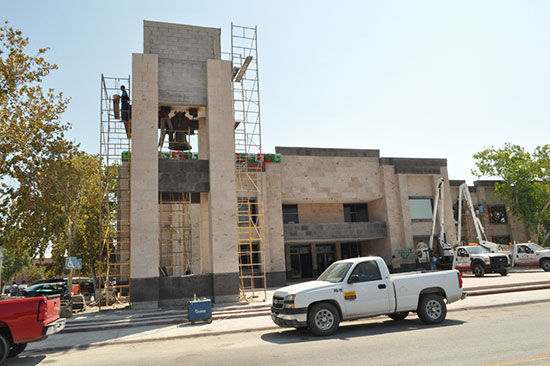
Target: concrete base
x,y
148,293
145,293
226,287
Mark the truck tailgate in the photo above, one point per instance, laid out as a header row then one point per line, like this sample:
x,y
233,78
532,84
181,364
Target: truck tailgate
x,y
54,308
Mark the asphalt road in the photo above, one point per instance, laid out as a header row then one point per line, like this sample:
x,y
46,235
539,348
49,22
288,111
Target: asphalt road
x,y
509,335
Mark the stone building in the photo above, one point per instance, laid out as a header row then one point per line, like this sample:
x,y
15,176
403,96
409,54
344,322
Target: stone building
x,y
318,205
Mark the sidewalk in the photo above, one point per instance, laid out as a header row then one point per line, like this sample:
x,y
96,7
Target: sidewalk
x,y
96,329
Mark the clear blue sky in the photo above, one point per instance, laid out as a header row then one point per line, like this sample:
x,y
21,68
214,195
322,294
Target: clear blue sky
x,y
412,78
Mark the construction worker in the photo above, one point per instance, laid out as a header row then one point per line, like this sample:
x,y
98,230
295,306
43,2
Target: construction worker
x,y
125,104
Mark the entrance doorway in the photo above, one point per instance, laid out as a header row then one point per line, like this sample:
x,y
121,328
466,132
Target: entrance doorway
x,y
326,255
301,262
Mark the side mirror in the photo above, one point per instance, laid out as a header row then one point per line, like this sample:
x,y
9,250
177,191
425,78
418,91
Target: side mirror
x,y
353,278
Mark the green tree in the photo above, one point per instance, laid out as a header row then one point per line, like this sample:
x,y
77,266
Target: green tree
x,y
525,183
14,264
31,136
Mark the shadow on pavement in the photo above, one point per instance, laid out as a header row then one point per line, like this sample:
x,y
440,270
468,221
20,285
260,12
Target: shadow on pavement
x,y
22,360
356,330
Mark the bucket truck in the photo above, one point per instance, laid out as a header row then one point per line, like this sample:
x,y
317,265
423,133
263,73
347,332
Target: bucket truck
x,y
482,258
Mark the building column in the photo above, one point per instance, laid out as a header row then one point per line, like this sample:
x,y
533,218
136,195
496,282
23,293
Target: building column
x,y
222,202
144,224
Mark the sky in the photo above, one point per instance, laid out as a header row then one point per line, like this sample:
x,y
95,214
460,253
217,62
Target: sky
x,y
428,79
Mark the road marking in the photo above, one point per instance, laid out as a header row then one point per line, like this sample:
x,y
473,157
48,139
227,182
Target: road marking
x,y
511,362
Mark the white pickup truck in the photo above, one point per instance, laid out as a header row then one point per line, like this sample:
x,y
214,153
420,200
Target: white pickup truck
x,y
363,287
531,254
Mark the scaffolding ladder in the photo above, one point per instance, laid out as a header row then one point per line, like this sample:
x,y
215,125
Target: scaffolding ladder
x,y
114,253
248,162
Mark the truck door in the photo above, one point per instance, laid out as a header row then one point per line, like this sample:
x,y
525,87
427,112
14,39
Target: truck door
x,y
462,259
525,256
370,293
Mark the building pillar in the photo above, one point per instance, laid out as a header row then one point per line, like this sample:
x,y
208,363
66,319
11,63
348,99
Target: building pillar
x,y
222,202
144,225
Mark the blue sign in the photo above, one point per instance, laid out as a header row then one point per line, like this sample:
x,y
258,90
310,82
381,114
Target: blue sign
x,y
73,263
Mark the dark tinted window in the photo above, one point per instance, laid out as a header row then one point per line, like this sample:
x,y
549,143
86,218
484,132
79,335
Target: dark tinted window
x,y
498,214
290,214
367,271
356,212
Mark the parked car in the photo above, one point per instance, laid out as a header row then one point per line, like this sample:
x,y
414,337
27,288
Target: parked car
x,y
363,287
46,289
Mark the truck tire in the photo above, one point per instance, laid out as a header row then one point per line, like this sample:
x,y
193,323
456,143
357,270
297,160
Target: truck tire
x,y
4,348
503,272
323,319
545,264
478,270
17,349
399,315
432,309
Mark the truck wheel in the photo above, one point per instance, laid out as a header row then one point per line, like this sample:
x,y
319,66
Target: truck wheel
x,y
4,348
478,270
17,349
432,309
503,272
399,315
323,319
545,264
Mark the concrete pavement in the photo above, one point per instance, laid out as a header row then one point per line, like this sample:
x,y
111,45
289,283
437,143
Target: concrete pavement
x,y
98,329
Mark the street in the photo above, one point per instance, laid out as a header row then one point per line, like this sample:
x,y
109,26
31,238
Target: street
x,y
511,335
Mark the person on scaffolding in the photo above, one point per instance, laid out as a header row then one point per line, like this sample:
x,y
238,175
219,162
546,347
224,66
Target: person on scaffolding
x,y
125,104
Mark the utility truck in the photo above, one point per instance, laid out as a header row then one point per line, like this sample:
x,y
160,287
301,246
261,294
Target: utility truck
x,y
363,287
531,254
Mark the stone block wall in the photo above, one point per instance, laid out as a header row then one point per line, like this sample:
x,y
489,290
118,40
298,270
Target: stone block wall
x,y
182,52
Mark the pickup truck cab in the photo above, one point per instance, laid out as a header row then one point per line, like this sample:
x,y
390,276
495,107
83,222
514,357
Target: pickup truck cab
x,y
480,261
27,319
531,254
363,287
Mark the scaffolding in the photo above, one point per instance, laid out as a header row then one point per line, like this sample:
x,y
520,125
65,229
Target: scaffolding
x,y
248,162
174,233
114,254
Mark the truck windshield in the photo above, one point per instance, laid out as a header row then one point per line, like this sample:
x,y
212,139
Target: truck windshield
x,y
535,247
335,272
477,250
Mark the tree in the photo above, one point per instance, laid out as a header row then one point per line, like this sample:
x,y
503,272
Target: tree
x,y
31,132
14,264
525,183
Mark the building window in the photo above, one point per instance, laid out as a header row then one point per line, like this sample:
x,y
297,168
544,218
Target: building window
x,y
421,208
290,214
504,240
498,214
356,212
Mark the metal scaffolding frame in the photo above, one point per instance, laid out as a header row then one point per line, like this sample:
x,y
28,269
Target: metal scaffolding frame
x,y
114,254
248,172
174,233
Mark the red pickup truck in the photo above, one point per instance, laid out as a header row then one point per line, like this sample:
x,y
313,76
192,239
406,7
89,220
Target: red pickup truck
x,y
27,319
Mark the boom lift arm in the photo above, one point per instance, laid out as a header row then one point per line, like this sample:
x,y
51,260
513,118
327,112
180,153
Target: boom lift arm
x,y
464,193
444,250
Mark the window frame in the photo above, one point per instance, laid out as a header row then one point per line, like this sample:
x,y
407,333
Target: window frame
x,y
286,214
424,218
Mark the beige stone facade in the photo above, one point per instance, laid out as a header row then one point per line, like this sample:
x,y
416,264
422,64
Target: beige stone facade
x,y
319,205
